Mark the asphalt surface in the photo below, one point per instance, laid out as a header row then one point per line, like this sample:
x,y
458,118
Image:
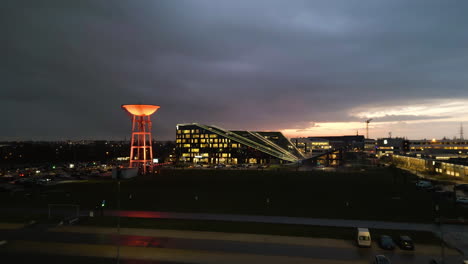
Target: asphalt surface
x,y
325,252
455,235
19,258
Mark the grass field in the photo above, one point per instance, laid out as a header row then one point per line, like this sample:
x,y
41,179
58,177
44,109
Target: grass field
x,y
375,194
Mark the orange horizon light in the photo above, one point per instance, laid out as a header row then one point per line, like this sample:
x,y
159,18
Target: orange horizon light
x,y
141,110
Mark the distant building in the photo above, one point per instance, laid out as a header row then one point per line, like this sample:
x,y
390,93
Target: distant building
x,y
344,142
455,146
311,145
370,145
392,146
197,143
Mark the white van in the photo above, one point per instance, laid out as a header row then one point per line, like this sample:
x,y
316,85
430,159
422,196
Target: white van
x,y
363,237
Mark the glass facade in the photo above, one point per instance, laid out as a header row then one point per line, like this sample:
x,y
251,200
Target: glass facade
x,y
201,144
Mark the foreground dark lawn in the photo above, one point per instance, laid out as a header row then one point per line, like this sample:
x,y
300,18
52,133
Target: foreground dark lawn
x,y
385,194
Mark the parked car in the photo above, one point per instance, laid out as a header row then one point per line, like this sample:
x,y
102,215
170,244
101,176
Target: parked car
x,y
386,242
381,259
406,243
443,193
463,200
424,185
463,187
363,237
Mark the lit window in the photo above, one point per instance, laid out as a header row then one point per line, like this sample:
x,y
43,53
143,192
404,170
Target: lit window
x,y
186,132
186,145
215,145
202,140
213,136
234,145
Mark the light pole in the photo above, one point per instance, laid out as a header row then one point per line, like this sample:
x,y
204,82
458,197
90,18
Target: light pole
x,y
439,222
119,173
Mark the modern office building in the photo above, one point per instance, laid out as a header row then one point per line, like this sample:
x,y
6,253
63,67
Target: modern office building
x,y
197,143
311,146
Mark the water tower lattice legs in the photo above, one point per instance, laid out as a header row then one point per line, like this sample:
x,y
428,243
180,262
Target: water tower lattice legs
x,y
141,150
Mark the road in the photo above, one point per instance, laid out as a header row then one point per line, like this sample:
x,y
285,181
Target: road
x,y
199,247
454,235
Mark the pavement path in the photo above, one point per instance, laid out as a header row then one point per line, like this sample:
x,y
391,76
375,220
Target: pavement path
x,y
227,238
202,247
160,254
454,235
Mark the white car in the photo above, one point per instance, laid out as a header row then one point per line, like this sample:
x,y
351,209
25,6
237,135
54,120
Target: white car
x,y
463,200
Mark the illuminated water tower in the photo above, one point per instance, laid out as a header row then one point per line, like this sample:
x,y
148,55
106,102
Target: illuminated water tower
x,y
141,149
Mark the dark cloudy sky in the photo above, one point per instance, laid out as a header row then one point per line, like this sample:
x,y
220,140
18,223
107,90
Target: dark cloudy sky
x,y
302,67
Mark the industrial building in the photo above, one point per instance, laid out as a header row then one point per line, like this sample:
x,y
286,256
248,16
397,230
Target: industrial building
x,y
202,144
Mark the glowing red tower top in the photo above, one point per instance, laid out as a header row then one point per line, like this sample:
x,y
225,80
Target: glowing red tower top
x,y
141,110
141,149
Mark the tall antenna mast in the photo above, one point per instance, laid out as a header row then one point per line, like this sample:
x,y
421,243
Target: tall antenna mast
x,y
461,131
367,127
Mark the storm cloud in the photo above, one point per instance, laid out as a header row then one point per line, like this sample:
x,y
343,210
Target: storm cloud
x,y
276,65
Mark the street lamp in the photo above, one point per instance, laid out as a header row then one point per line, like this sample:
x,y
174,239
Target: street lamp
x,y
439,223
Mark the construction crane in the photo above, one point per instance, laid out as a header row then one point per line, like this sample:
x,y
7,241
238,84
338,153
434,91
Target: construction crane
x,y
367,127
